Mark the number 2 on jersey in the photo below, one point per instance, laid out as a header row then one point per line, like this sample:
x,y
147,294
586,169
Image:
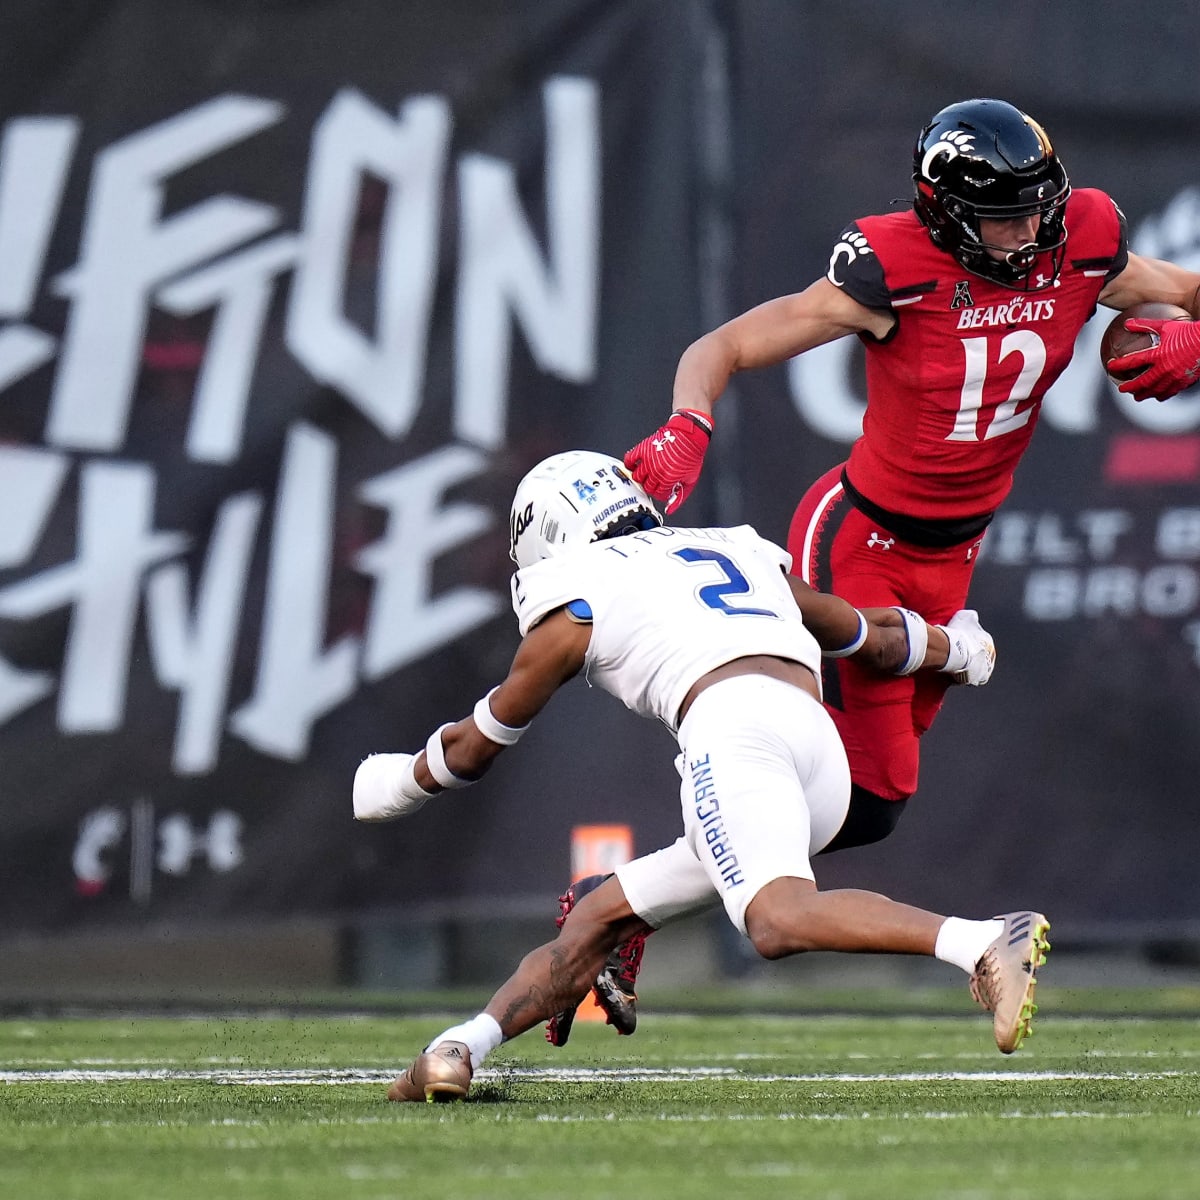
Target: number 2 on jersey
x,y
734,583
1005,419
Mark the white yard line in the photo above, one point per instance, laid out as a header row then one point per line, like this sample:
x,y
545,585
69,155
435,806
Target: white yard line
x,y
360,1075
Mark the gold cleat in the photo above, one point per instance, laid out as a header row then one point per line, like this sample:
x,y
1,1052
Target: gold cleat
x,y
1006,975
438,1076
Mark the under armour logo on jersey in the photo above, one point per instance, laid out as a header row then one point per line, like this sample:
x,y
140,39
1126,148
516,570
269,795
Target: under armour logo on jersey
x,y
962,295
851,246
660,442
952,143
876,540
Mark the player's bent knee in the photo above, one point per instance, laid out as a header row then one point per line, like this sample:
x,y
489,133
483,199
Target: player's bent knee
x,y
779,939
770,941
777,919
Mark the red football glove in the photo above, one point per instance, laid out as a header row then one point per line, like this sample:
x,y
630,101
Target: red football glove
x,y
1171,366
667,463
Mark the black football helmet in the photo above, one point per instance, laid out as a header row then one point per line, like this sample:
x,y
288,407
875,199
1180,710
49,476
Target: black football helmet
x,y
986,159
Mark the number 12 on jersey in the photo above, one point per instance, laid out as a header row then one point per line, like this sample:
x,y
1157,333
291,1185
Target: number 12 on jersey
x,y
1005,419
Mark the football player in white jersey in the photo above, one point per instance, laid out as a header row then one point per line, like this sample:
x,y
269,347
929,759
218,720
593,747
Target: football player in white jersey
x,y
705,630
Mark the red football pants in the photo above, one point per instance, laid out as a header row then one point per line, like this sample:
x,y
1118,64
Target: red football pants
x,y
881,718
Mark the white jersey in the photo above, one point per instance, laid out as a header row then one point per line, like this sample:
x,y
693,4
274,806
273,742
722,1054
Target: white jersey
x,y
669,605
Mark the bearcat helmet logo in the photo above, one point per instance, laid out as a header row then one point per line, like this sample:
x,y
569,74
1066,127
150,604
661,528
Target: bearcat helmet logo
x,y
947,148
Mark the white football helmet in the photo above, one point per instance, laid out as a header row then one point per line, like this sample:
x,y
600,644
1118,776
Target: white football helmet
x,y
571,499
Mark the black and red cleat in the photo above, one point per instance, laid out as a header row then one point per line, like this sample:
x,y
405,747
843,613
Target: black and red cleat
x,y
615,986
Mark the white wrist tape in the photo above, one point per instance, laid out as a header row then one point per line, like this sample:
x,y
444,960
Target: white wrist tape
x,y
918,640
385,788
959,654
407,786
855,645
493,730
435,760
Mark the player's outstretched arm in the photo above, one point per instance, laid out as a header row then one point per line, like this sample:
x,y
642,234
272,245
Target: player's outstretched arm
x,y
961,647
387,786
896,641
769,334
668,462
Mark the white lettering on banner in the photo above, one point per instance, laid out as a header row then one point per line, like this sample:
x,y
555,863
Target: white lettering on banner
x,y
500,267
405,619
1074,572
226,255
1016,538
241,289
102,587
298,681
127,250
99,831
1191,634
172,844
1178,533
34,156
20,690
194,652
382,376
1063,595
30,482
179,842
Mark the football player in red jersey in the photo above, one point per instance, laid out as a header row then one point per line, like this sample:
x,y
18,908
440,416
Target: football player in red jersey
x,y
968,306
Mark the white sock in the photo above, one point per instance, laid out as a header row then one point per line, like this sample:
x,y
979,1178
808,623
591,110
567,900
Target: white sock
x,y
480,1034
963,942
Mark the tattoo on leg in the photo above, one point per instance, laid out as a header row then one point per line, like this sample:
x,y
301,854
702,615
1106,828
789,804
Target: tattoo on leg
x,y
539,1003
526,1010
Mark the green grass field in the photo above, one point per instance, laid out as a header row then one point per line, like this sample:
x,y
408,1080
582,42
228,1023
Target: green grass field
x,y
690,1107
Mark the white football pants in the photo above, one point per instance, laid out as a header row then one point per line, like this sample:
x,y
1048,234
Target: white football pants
x,y
764,786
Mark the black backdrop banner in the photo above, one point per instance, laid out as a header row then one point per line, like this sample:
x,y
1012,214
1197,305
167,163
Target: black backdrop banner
x,y
1070,776
292,294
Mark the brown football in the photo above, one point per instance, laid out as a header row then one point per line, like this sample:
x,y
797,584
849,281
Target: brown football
x,y
1118,340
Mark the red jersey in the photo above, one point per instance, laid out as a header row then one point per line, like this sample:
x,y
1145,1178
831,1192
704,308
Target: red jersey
x,y
954,393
